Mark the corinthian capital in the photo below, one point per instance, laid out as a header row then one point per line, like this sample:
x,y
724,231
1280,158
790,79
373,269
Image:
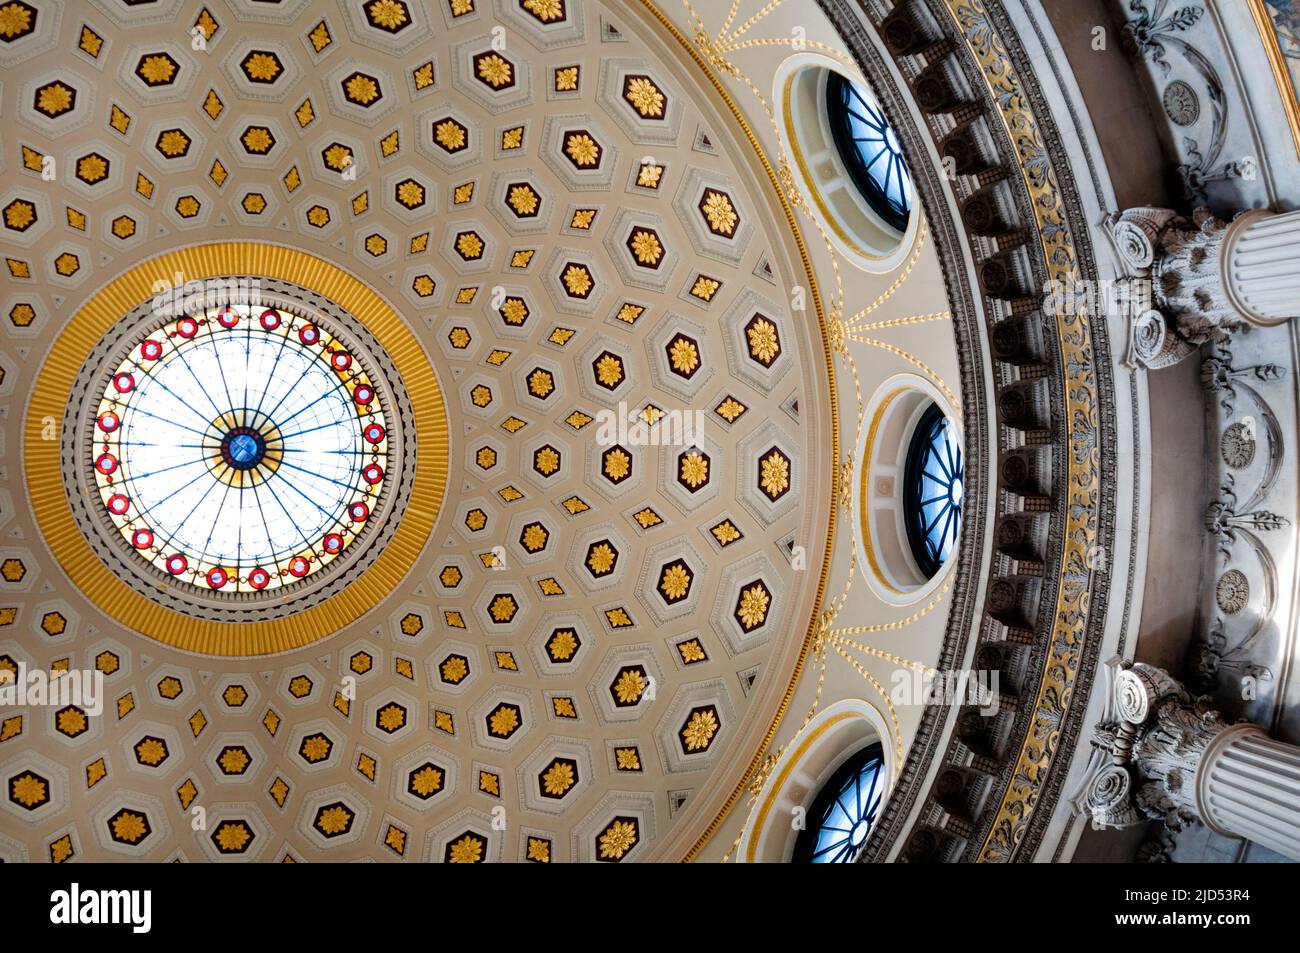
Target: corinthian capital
x,y
1187,280
1146,749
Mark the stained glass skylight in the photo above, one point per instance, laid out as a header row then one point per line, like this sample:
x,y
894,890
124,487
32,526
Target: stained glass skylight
x,y
240,450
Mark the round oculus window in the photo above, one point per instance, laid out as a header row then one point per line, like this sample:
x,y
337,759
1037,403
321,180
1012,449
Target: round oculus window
x,y
241,454
851,161
934,481
844,811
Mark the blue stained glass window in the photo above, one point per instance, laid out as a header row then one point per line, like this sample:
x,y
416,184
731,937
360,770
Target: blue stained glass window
x,y
844,812
932,491
869,148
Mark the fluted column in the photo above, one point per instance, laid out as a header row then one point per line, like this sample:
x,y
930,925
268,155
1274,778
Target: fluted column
x,y
1160,754
1186,282
1259,261
1248,785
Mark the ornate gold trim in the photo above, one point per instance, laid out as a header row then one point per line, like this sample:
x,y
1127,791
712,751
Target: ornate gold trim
x,y
1082,480
819,308
1277,63
134,610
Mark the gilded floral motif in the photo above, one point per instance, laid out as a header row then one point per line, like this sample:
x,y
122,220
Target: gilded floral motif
x,y
494,70
644,96
694,469
774,474
675,582
450,134
764,345
719,213
629,686
698,732
548,11
577,280
601,559
558,778
583,150
645,246
752,607
467,850
617,839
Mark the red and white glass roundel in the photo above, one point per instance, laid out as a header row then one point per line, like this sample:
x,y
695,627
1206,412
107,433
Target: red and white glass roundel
x,y
240,449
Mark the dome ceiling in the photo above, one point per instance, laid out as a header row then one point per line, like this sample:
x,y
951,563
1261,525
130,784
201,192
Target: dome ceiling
x,y
568,234
595,634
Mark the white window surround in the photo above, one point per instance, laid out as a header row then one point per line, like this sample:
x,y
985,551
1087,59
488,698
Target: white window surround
x,y
855,229
884,553
809,760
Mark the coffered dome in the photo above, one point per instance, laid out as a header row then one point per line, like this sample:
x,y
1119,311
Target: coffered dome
x,y
429,410
476,349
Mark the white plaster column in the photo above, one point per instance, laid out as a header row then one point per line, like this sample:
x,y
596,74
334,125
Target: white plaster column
x,y
1248,785
1261,266
1160,754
